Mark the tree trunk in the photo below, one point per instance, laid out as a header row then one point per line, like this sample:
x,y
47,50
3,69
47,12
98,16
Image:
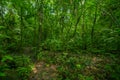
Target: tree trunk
x,y
93,26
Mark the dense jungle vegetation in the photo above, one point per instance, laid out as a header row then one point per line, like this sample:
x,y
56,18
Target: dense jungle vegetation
x,y
59,39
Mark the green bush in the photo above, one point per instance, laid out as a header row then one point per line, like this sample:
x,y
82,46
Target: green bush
x,y
23,72
53,44
18,66
112,71
22,61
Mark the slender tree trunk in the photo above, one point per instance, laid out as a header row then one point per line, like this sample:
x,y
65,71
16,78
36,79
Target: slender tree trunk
x,y
2,22
1,13
84,44
93,26
62,19
21,27
78,20
39,5
35,30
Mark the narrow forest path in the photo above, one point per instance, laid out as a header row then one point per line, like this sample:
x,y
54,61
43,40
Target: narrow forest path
x,y
43,71
85,64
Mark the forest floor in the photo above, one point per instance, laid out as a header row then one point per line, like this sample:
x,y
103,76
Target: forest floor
x,y
43,71
46,68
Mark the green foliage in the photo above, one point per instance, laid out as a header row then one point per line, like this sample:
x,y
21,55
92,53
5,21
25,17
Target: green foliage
x,y
4,66
6,57
71,69
24,66
40,56
74,44
23,72
53,45
19,65
113,70
2,74
22,61
75,26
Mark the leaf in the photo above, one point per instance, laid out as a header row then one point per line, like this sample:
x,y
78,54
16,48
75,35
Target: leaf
x,y
1,27
2,74
78,66
7,57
